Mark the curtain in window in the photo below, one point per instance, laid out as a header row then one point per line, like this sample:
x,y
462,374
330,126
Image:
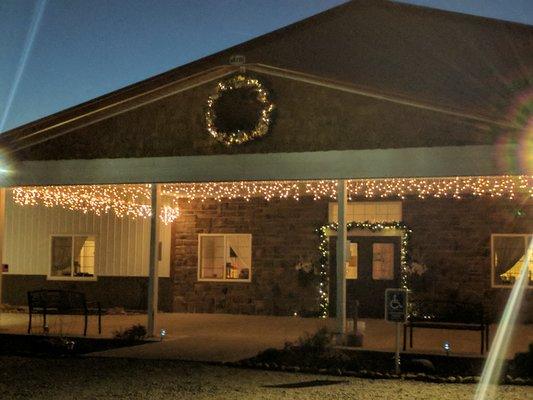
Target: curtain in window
x,y
508,250
61,256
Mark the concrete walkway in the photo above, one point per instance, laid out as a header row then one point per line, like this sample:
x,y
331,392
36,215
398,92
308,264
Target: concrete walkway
x,y
225,337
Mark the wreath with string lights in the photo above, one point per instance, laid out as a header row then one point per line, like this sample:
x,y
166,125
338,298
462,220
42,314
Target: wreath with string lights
x,y
239,110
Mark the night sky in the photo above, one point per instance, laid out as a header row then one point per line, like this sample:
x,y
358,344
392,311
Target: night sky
x,y
85,48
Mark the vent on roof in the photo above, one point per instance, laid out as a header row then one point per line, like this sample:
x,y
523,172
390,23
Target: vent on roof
x,y
237,59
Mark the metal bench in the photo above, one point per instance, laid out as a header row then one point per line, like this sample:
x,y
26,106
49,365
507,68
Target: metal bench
x,y
64,302
447,315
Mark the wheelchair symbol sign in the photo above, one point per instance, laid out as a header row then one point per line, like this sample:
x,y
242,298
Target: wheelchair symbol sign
x,y
396,305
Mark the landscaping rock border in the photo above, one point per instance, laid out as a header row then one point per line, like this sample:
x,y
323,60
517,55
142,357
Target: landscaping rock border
x,y
507,380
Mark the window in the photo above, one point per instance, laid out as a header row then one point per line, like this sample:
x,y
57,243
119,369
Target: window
x,y
225,257
508,256
371,211
351,263
73,257
382,261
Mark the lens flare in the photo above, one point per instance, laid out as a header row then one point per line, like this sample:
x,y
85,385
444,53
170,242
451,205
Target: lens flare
x,y
6,167
515,152
494,363
28,44
525,148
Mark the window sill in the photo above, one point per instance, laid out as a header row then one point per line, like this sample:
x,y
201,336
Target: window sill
x,y
509,286
72,278
225,280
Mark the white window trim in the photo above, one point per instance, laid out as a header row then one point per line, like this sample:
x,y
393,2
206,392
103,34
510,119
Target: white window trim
x,y
224,280
51,277
492,274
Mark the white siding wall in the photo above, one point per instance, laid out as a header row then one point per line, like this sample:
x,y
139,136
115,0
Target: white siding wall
x,y
122,244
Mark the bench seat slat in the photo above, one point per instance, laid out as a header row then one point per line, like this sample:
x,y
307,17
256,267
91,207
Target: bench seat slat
x,y
446,325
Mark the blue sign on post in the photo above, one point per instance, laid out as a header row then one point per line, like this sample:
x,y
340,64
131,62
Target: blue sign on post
x,y
396,305
396,311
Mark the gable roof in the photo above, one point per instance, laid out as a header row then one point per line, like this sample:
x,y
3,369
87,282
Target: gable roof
x,y
465,73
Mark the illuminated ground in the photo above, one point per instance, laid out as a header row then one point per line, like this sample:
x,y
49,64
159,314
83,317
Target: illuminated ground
x,y
146,379
227,337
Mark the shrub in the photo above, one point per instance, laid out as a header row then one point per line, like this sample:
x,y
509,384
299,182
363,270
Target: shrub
x,y
318,343
315,351
135,333
522,365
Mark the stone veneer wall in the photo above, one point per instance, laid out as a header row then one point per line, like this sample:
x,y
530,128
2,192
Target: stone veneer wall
x,y
282,232
450,237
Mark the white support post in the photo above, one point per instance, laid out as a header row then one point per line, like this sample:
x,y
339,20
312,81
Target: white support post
x,y
2,233
342,241
153,276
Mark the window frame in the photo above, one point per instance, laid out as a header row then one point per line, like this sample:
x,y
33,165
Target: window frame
x,y
347,262
51,277
492,267
224,279
393,269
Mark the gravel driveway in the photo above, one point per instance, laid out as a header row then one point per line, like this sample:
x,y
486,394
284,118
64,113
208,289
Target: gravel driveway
x,y
23,378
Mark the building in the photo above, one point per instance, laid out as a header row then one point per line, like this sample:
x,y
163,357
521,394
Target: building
x,y
420,118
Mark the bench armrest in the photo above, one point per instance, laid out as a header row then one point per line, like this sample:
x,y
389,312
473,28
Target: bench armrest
x,y
94,304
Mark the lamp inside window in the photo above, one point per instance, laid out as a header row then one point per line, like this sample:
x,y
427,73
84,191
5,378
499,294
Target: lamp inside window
x,y
225,257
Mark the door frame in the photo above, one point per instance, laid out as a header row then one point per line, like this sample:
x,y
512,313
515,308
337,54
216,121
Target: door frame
x,y
366,289
391,228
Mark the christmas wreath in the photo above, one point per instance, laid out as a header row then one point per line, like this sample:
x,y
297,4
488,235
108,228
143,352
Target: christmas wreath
x,y
239,110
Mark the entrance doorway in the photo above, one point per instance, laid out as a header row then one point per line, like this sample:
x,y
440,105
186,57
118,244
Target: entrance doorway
x,y
373,265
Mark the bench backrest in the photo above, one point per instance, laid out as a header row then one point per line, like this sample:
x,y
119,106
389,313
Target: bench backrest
x,y
447,311
56,299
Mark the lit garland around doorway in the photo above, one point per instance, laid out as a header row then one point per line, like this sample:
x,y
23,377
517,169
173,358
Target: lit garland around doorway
x,y
323,248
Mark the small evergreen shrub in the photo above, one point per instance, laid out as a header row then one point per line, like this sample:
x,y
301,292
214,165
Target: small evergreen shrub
x,y
522,365
315,351
135,333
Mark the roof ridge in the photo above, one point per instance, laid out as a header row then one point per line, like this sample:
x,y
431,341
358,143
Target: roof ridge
x,y
181,71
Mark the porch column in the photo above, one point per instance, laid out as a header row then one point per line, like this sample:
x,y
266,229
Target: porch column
x,y
2,233
154,258
342,240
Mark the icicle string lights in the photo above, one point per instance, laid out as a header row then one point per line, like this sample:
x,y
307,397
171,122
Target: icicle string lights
x,y
123,200
458,187
134,200
234,190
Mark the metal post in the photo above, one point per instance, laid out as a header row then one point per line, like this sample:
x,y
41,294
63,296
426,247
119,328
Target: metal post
x,y
342,241
153,262
2,227
397,354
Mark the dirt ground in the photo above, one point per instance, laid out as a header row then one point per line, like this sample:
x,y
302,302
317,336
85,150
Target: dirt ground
x,y
92,378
